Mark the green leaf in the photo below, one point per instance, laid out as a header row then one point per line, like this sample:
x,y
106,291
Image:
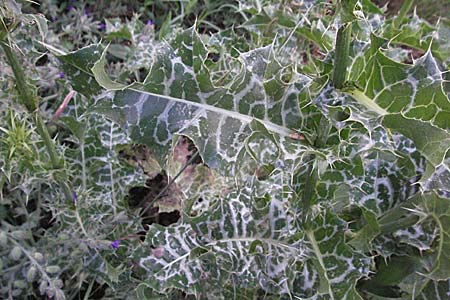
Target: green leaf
x,y
438,209
333,267
117,30
363,238
419,34
165,27
408,96
435,290
438,179
77,65
113,272
230,247
178,98
430,140
394,271
227,259
96,156
415,91
98,70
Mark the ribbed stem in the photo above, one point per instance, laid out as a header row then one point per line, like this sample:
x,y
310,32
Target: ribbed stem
x,y
308,191
27,99
25,95
402,223
341,55
49,144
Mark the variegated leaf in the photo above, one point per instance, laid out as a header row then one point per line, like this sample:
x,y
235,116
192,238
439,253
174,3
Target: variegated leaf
x,y
178,97
242,241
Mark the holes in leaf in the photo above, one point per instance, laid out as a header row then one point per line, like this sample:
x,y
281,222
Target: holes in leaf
x,y
46,219
136,195
41,61
167,218
413,54
213,56
160,201
403,54
144,198
316,51
142,74
263,172
69,144
286,77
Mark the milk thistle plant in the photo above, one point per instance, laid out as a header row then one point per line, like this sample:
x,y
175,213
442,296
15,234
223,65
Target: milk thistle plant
x,y
247,150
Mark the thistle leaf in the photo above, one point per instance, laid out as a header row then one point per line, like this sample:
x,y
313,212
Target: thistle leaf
x,y
178,97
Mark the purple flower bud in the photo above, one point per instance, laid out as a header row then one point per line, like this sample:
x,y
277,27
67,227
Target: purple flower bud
x,y
61,75
87,11
102,26
115,244
74,198
150,22
69,7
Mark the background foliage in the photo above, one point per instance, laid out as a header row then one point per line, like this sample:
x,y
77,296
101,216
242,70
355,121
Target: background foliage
x,y
218,149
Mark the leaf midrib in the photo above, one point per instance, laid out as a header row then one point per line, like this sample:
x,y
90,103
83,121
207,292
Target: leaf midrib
x,y
280,130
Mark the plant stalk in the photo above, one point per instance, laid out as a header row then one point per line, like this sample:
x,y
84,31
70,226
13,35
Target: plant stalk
x,y
313,173
341,55
307,195
25,96
30,101
406,6
48,141
402,223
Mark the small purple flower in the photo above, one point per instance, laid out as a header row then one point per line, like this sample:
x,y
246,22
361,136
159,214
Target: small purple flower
x,y
87,11
102,26
61,75
74,198
115,244
279,164
69,7
150,22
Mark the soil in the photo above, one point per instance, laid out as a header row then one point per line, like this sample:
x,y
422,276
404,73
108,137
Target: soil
x,y
393,6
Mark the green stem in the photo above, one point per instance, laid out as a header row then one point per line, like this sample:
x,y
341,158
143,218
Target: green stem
x,y
308,192
49,144
406,6
312,177
31,103
396,219
25,96
341,55
402,223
